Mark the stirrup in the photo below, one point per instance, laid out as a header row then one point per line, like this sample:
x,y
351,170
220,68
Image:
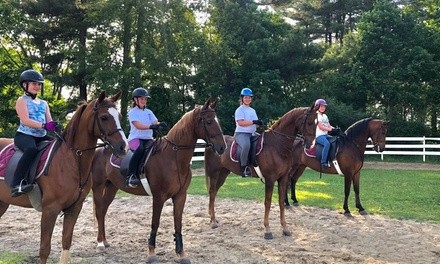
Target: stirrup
x,y
132,181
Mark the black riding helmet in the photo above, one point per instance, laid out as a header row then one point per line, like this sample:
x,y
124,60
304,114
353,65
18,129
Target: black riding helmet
x,y
30,76
140,92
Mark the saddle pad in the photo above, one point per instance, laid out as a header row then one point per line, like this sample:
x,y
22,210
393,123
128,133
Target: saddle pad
x,y
7,153
234,148
311,152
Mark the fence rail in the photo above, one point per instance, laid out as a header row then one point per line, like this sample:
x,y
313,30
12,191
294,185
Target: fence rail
x,y
409,146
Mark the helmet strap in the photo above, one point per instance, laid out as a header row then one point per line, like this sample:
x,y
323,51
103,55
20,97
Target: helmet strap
x,y
33,96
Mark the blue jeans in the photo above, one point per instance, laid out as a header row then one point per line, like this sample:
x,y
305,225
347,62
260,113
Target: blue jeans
x,y
324,141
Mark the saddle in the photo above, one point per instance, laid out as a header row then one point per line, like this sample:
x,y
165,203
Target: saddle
x,y
316,150
123,163
11,155
256,146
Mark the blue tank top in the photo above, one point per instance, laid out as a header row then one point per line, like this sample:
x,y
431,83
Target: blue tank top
x,y
37,112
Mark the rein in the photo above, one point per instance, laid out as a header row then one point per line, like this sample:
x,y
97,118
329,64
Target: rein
x,y
79,152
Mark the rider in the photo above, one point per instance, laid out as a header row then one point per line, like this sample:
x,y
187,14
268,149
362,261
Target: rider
x,y
142,122
35,121
322,128
246,120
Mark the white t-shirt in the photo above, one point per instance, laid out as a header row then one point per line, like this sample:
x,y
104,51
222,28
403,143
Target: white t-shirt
x,y
146,117
245,113
321,117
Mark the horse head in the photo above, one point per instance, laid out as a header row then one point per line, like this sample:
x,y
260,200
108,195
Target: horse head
x,y
378,132
307,129
208,126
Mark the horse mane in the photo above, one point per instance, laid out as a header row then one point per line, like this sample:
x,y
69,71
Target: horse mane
x,y
70,131
358,128
286,118
177,131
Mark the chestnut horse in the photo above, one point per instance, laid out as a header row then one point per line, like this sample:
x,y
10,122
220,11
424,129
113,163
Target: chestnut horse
x,y
350,157
275,162
67,183
167,170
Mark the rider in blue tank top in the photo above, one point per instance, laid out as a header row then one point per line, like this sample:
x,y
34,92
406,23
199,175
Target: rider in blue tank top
x,y
35,121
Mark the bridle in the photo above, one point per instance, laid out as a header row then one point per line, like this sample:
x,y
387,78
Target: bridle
x,y
102,134
208,135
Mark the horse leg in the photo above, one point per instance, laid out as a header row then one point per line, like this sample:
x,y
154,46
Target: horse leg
x,y
356,181
282,192
179,203
267,202
158,202
3,208
48,219
103,196
214,186
298,172
347,187
70,218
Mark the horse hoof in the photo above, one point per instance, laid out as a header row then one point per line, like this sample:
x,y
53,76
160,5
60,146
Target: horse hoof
x,y
214,225
152,259
348,215
363,212
185,261
288,207
295,204
268,236
287,233
101,246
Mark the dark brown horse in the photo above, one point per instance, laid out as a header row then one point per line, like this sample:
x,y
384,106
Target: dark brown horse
x,y
67,183
350,157
167,170
274,160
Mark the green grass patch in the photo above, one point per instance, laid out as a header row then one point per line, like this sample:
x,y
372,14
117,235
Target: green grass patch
x,y
400,194
12,258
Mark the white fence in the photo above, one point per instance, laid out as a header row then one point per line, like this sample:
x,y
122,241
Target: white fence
x,y
410,146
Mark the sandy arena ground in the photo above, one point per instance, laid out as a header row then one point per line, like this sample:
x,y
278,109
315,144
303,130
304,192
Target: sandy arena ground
x,y
318,235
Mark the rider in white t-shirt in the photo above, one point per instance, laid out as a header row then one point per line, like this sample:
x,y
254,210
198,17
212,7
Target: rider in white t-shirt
x,y
322,128
246,120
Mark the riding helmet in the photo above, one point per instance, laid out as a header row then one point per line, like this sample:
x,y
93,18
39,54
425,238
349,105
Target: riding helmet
x,y
246,92
140,92
31,76
320,102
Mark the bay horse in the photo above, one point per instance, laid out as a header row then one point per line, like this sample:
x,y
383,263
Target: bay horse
x,y
167,170
350,157
67,183
275,162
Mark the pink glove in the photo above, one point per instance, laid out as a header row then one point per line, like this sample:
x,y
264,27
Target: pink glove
x,y
52,126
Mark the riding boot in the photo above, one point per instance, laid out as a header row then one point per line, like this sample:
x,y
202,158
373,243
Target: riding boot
x,y
132,181
246,172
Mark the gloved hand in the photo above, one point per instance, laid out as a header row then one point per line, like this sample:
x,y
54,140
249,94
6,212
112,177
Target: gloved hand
x,y
154,126
335,131
257,122
163,124
52,126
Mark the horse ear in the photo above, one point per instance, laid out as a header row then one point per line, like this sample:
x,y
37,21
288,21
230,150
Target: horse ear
x,y
207,103
116,97
101,96
214,104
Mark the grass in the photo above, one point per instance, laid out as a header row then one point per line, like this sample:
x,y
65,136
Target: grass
x,y
399,194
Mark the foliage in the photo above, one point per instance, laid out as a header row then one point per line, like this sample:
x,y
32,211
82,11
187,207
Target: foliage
x,y
368,58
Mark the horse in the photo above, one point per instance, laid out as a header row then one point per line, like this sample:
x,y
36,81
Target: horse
x,y
349,156
67,184
167,171
274,162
